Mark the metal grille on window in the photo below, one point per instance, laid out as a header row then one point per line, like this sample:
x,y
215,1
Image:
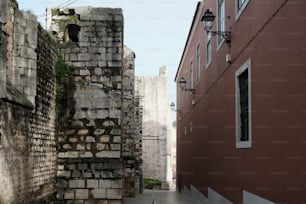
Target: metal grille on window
x,y
244,105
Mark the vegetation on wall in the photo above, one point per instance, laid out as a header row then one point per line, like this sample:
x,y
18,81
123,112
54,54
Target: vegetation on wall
x,y
149,183
62,75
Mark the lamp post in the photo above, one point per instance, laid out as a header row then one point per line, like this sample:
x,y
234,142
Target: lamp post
x,y
183,83
208,19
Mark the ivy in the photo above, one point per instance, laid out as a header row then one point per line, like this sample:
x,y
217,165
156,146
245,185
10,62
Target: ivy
x,y
62,73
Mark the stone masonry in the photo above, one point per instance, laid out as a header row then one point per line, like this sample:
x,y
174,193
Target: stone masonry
x,y
131,137
96,142
158,131
90,152
27,107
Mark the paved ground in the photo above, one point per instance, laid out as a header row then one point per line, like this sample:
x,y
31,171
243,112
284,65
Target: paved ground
x,y
160,197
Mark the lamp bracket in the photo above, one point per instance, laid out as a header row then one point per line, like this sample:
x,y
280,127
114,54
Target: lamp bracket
x,y
226,35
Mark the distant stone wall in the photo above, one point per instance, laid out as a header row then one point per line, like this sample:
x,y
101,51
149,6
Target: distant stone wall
x,y
27,108
89,148
156,125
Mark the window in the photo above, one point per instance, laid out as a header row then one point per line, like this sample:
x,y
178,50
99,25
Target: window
x,y
221,19
198,62
191,75
72,33
243,106
240,6
208,48
240,3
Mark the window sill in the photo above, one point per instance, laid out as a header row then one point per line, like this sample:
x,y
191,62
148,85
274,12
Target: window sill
x,y
243,145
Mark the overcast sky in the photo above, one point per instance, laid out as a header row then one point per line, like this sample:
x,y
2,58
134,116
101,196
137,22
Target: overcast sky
x,y
156,30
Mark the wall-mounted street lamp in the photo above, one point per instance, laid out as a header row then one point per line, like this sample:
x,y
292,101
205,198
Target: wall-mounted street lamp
x,y
183,83
208,19
172,105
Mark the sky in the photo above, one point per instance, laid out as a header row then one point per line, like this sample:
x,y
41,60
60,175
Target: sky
x,y
156,30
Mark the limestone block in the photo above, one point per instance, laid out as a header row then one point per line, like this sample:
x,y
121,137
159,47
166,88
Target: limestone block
x,y
81,194
76,174
108,123
87,174
61,173
80,147
79,115
117,139
99,193
78,64
72,154
115,146
105,138
105,183
115,113
102,114
92,183
114,64
84,72
116,184
73,57
73,139
100,146
60,183
69,194
82,166
92,63
106,174
99,132
102,64
86,154
108,154
83,132
113,194
116,132
78,183
90,139
98,71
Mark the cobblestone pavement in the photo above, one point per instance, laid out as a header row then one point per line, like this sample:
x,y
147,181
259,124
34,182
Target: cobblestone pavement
x,y
159,197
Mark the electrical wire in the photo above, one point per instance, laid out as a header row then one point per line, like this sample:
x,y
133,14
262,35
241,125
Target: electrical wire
x,y
63,5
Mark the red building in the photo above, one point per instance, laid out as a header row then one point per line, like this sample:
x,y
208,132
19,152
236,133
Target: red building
x,y
241,122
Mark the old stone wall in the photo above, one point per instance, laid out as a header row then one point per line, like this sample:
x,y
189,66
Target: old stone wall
x,y
27,108
89,150
157,126
131,150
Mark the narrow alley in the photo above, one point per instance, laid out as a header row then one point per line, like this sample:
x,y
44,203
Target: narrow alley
x,y
159,197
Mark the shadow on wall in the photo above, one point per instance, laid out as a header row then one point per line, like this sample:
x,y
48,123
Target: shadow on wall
x,y
15,160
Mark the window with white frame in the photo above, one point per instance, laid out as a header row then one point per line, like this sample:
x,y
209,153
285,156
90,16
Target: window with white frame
x,y
208,48
221,19
198,62
191,75
240,6
243,106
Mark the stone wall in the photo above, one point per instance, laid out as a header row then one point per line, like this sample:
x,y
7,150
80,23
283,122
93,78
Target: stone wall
x,y
131,150
157,126
89,149
27,107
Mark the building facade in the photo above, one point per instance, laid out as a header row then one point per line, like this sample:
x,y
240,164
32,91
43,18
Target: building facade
x,y
240,121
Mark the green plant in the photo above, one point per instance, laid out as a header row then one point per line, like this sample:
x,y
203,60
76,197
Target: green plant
x,y
150,182
62,73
